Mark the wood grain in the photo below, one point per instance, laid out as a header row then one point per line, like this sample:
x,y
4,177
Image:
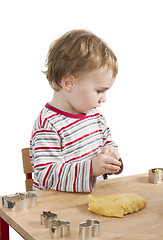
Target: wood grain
x,y
147,224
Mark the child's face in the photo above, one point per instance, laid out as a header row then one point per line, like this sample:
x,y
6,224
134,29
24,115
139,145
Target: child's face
x,y
90,90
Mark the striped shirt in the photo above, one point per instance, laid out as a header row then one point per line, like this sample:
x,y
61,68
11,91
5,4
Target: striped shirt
x,y
62,147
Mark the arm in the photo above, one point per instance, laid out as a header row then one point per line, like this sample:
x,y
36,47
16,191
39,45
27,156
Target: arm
x,y
111,148
51,169
108,161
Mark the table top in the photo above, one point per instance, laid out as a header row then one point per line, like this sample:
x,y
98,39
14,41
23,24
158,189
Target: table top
x,y
147,224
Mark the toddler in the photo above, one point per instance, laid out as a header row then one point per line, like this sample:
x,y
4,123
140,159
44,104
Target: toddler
x,y
71,144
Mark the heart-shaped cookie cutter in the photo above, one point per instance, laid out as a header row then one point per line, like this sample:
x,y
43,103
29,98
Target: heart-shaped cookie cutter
x,y
89,228
20,201
155,175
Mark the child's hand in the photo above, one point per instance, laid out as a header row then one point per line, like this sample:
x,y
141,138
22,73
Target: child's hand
x,y
111,150
107,161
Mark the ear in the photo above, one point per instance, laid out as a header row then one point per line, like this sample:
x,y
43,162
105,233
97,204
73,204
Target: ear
x,y
68,82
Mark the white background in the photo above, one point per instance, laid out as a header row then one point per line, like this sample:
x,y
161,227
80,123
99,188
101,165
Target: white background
x,y
134,104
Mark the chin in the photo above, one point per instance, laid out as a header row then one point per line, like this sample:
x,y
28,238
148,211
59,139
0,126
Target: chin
x,y
88,110
85,112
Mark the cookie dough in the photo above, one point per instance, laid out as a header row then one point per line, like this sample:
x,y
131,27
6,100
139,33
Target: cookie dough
x,y
116,205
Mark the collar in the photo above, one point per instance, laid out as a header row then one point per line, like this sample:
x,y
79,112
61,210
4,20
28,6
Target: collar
x,y
67,114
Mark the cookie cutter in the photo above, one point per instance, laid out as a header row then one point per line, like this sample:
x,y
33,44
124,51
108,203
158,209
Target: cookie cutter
x,y
20,201
46,217
59,229
105,176
88,229
155,175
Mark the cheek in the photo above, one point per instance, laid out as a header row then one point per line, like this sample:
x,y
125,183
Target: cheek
x,y
85,99
86,95
82,93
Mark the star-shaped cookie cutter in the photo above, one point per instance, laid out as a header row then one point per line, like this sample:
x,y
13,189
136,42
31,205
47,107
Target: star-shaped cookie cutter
x,y
88,229
46,217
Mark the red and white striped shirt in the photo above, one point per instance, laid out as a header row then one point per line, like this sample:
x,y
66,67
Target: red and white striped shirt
x,y
62,147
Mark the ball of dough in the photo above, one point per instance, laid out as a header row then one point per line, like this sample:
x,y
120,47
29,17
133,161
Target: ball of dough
x,y
116,205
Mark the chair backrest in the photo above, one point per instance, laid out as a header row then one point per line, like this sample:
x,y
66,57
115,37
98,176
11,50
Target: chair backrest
x,y
27,169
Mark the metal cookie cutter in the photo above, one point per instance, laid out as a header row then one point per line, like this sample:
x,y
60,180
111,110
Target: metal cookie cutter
x,y
59,229
155,175
46,217
88,229
20,201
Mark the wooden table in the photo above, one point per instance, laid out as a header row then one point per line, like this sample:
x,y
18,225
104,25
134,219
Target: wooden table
x,y
147,224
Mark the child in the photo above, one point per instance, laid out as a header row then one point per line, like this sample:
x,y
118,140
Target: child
x,y
71,144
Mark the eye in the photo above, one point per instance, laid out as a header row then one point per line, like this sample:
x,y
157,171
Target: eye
x,y
100,91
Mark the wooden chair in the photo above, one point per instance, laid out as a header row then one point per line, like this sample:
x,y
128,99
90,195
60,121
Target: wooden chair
x,y
28,170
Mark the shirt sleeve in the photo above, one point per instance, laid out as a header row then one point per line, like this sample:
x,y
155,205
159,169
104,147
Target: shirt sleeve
x,y
107,136
52,171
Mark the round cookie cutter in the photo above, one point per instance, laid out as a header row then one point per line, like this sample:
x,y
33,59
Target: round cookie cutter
x,y
155,175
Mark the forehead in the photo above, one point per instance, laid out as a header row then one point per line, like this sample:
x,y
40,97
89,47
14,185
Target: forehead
x,y
102,77
102,72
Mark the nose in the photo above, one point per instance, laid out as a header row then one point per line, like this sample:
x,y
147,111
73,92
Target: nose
x,y
102,98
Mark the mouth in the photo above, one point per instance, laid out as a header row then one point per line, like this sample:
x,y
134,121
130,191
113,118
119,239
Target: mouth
x,y
98,106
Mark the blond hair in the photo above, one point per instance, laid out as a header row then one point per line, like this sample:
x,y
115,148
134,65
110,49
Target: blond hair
x,y
77,52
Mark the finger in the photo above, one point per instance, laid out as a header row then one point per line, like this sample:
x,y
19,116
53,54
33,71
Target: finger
x,y
113,161
105,150
121,168
114,152
109,168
